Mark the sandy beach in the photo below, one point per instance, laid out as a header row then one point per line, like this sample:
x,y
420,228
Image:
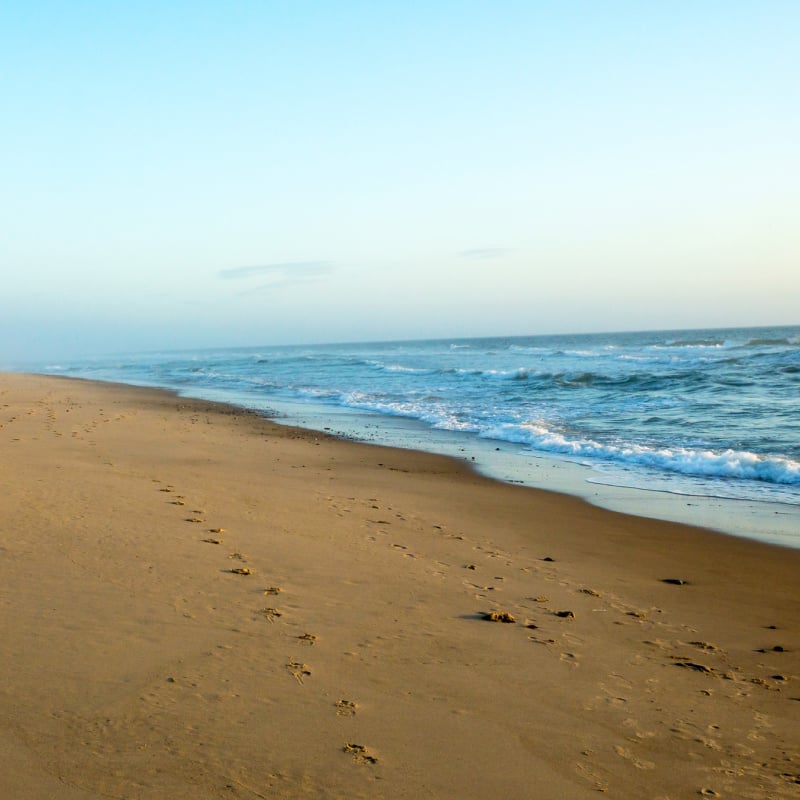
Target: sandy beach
x,y
200,603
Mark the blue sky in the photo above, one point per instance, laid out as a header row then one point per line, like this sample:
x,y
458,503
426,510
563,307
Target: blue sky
x,y
191,174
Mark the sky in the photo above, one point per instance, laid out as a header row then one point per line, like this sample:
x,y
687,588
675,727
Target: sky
x,y
199,174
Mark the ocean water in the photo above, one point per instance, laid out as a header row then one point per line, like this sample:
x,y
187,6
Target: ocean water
x,y
701,413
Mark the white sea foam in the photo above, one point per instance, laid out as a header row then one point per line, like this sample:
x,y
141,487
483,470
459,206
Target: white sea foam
x,y
585,353
401,368
727,463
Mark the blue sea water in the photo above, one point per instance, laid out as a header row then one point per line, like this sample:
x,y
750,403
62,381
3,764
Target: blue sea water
x,y
704,412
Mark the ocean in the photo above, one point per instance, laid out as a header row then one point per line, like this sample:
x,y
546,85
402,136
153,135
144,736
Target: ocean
x,y
708,418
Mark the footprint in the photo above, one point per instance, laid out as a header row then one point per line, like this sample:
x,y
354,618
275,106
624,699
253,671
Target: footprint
x,y
346,708
307,638
360,753
625,753
498,616
298,670
712,648
694,666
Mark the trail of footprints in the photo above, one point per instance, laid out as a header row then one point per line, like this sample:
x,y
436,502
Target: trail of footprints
x,y
534,611
298,670
545,623
52,414
553,625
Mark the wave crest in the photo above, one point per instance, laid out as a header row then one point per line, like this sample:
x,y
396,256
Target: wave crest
x,y
740,464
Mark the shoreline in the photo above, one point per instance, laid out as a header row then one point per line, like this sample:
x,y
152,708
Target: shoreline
x,y
771,522
348,656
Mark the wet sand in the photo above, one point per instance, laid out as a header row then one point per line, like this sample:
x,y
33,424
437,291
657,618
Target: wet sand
x,y
198,603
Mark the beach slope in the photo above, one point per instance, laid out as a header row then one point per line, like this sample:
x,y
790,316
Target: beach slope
x,y
199,603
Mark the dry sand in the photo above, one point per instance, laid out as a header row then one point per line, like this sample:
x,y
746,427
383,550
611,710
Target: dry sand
x,y
351,659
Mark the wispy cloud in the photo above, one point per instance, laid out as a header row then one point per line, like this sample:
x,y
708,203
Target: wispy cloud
x,y
280,270
279,275
485,252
